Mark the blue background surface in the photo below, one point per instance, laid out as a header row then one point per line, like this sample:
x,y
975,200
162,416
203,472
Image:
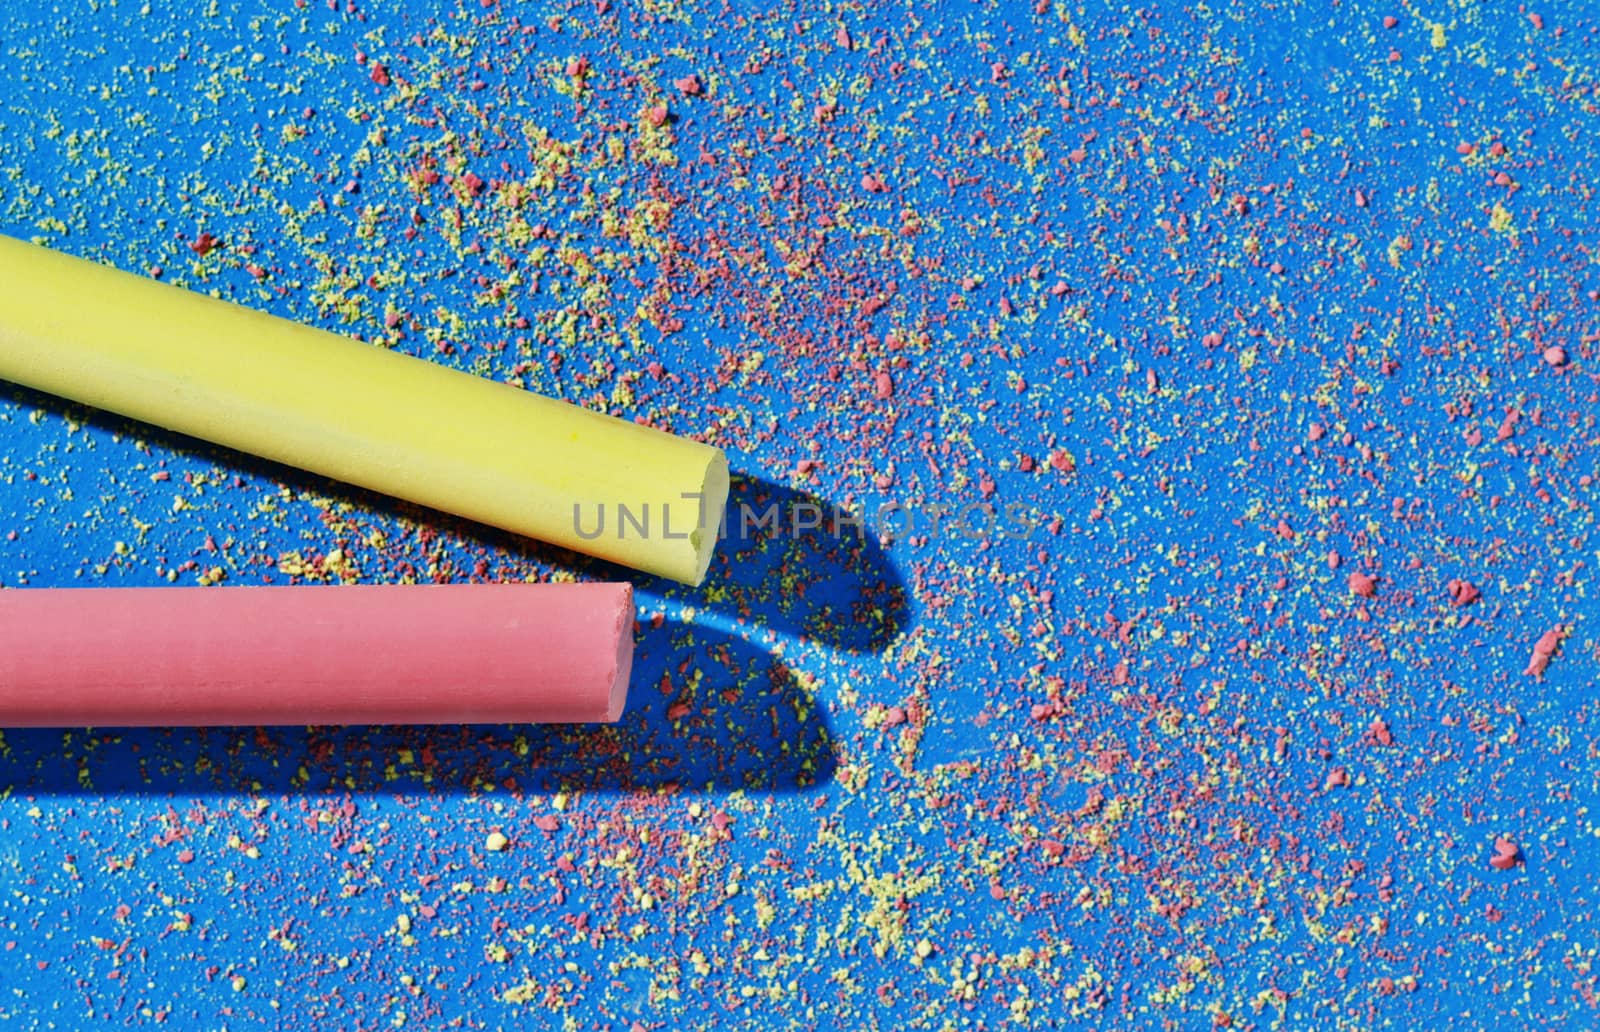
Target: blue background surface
x,y
1236,302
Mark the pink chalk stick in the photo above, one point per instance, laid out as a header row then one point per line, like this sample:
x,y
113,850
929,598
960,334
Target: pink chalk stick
x,y
406,654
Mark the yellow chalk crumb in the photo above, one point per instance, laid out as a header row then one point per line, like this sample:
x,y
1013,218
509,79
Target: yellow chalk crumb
x,y
1500,219
527,992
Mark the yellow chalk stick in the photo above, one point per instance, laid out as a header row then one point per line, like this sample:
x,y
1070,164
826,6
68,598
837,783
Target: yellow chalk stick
x,y
359,413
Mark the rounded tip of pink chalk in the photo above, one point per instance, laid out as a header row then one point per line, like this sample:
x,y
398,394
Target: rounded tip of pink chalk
x,y
618,700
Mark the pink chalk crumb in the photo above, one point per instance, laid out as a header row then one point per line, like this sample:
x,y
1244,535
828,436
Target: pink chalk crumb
x,y
689,85
872,184
1462,593
1555,356
656,115
1544,650
1062,461
1508,426
1390,21
1506,854
883,386
1362,584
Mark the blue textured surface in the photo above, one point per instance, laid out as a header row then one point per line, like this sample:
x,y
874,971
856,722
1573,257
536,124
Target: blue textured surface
x,y
1244,301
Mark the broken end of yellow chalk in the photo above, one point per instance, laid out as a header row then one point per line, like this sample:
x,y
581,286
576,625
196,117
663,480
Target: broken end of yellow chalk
x,y
714,492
